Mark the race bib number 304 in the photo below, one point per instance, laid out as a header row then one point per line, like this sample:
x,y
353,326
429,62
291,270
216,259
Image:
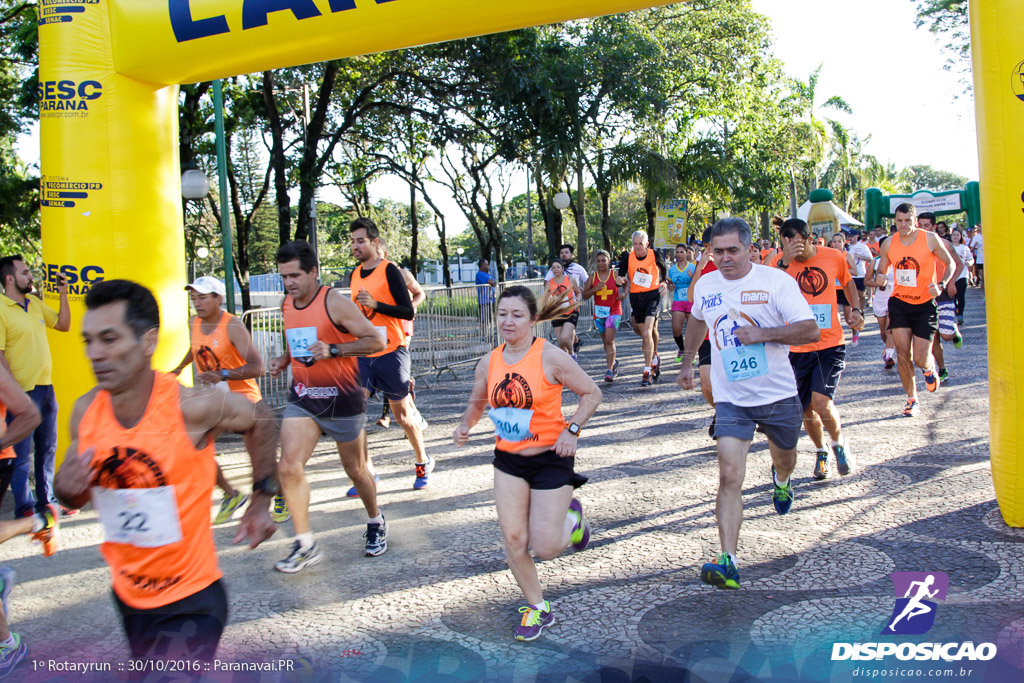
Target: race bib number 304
x,y
144,518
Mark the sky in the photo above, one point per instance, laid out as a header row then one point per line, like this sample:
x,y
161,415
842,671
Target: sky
x,y
869,50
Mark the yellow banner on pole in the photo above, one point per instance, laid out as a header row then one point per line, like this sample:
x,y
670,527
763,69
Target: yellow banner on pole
x,y
670,223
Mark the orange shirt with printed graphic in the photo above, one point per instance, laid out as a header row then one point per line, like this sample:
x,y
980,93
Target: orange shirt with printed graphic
x,y
523,385
214,351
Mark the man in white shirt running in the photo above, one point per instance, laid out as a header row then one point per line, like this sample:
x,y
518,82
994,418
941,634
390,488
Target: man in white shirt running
x,y
754,313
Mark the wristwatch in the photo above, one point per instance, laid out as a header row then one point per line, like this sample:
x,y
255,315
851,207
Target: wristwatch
x,y
268,485
224,374
573,428
334,350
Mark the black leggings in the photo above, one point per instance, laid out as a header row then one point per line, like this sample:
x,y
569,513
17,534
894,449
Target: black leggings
x,y
961,291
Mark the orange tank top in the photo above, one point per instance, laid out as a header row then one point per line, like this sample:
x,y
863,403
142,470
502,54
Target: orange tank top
x,y
523,386
325,388
643,273
376,283
561,287
152,489
214,351
914,266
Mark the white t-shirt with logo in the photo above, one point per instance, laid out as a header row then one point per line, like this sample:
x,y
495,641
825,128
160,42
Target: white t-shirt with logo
x,y
861,251
767,297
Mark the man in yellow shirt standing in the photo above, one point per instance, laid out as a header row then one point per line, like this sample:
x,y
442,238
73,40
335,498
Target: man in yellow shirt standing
x,y
25,350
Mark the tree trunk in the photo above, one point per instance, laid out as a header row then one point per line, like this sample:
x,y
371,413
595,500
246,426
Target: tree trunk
x,y
552,220
765,224
606,221
414,227
582,248
277,160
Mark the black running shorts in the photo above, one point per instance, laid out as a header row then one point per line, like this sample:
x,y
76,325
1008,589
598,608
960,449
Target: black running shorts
x,y
645,305
921,319
544,471
818,372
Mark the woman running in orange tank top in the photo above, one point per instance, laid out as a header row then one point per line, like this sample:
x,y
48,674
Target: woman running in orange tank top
x,y
561,285
521,383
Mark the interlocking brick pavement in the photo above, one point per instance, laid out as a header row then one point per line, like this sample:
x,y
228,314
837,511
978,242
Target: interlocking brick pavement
x,y
441,603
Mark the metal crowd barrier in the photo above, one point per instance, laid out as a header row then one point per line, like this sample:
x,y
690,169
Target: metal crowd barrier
x,y
453,327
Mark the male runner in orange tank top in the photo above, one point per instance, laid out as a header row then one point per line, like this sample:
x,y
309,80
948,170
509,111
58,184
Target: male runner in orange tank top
x,y
324,332
913,316
383,297
142,449
224,355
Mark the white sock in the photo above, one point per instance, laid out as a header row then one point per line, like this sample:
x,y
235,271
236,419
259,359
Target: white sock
x,y
543,606
655,360
10,642
732,558
305,540
837,443
780,483
647,368
38,522
379,519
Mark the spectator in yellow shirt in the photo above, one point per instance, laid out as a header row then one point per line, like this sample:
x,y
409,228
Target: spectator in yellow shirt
x,y
25,350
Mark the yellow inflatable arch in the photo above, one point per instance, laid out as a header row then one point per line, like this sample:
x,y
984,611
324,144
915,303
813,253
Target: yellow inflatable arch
x,y
111,204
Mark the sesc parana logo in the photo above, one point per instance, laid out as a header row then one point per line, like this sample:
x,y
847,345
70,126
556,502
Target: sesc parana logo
x,y
67,96
914,614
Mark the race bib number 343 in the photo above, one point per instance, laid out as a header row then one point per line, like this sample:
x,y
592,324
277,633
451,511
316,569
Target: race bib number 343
x,y
144,518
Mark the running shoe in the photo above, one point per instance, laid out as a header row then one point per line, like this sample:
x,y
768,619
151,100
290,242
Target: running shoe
x,y
609,375
11,656
958,340
910,410
49,534
943,375
352,493
423,470
656,368
646,381
580,537
68,512
844,460
7,578
299,559
782,496
855,339
280,512
534,621
229,506
890,361
959,320
615,368
821,467
679,356
931,380
721,573
577,345
384,422
376,536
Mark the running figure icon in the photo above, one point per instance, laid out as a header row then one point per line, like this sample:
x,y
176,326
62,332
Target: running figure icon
x,y
917,593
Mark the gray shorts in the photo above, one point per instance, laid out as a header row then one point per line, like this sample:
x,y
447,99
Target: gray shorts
x,y
780,421
343,429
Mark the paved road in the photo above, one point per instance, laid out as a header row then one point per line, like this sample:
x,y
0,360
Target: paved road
x,y
440,605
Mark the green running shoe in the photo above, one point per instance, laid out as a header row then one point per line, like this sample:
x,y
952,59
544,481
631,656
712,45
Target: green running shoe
x,y
782,496
721,573
958,340
280,512
229,506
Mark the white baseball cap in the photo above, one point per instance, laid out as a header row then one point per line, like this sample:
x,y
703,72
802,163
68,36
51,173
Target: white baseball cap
x,y
207,284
